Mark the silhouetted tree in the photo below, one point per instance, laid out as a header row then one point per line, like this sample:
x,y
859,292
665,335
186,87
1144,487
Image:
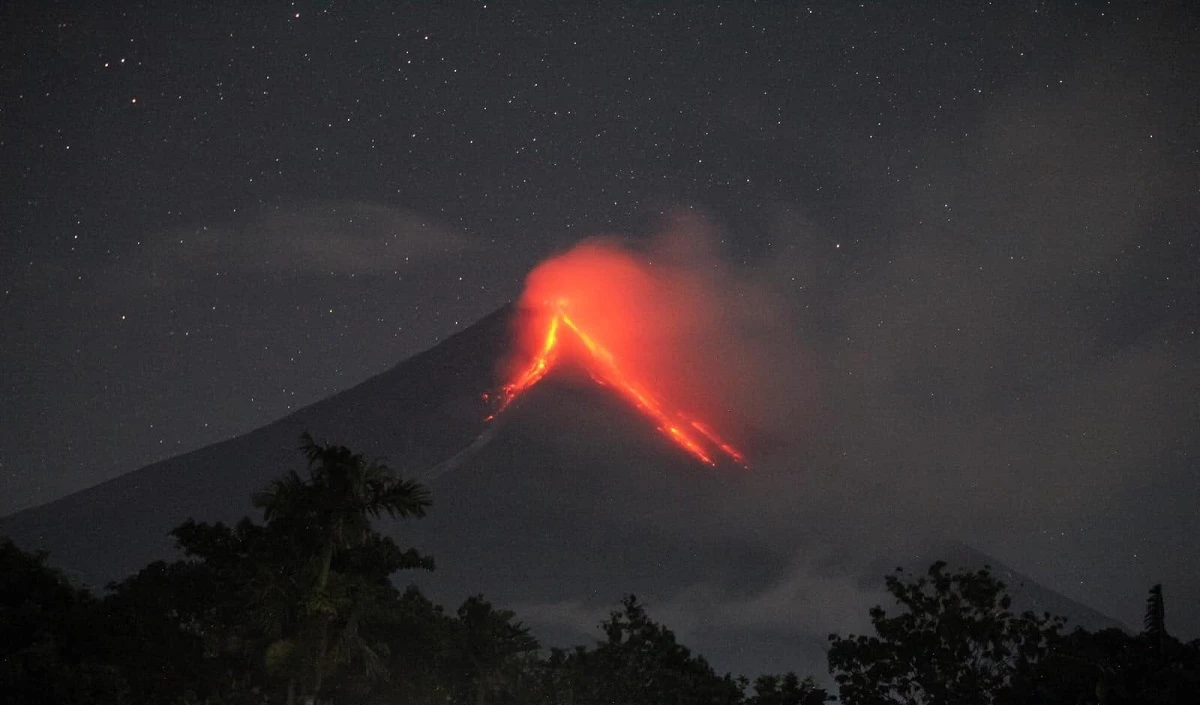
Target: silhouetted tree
x,y
1155,622
52,646
787,689
163,633
955,641
1113,667
640,662
489,651
338,500
341,496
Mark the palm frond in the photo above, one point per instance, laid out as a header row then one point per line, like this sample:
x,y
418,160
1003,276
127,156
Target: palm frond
x,y
285,496
401,498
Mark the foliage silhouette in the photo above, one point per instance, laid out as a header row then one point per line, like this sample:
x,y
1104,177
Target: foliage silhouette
x,y
955,641
1155,622
305,606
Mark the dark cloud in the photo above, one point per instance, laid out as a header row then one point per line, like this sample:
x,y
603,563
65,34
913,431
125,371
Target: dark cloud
x,y
314,240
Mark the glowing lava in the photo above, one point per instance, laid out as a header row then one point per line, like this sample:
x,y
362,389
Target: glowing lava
x,y
688,433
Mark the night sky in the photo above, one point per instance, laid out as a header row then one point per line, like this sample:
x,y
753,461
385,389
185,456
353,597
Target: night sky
x,y
980,220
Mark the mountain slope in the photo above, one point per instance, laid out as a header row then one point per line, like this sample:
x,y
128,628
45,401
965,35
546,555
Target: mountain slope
x,y
415,415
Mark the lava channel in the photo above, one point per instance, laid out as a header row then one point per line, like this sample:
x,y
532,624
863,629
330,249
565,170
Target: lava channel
x,y
693,436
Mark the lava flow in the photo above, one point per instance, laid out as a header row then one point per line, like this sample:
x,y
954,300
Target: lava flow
x,y
688,433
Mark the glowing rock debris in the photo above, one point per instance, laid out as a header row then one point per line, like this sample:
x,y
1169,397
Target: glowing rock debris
x,y
690,434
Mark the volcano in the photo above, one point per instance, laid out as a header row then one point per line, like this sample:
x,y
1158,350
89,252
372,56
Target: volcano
x,y
552,507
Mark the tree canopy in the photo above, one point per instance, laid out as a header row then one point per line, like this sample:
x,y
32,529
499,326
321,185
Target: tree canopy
x,y
305,606
955,639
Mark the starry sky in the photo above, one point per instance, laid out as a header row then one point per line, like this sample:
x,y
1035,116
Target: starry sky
x,y
980,219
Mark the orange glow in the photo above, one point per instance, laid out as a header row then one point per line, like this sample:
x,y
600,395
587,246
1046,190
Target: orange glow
x,y
690,434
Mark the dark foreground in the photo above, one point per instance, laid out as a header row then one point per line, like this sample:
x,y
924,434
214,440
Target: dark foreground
x,y
304,607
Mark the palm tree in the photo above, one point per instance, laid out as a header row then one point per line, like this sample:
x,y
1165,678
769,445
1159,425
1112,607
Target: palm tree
x,y
1155,622
491,646
335,506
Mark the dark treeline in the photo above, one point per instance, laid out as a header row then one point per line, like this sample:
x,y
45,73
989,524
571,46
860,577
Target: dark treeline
x,y
303,608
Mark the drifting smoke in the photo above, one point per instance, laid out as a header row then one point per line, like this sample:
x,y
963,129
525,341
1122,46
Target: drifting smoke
x,y
663,327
